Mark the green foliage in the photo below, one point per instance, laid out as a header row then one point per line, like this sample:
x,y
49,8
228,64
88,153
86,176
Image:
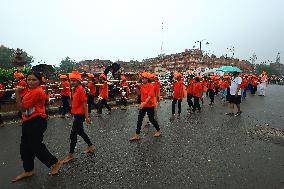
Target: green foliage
x,y
7,56
267,68
67,65
7,74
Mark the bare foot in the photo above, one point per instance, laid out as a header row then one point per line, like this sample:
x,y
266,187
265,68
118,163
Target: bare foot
x,y
90,149
157,134
135,137
56,168
23,175
68,158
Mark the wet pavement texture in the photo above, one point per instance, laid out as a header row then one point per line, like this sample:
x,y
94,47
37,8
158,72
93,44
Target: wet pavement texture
x,y
197,150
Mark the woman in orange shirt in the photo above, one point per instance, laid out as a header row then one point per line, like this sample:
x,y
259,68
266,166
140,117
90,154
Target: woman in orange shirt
x,y
33,127
148,103
80,113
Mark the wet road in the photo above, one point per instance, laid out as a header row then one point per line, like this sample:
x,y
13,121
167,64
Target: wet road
x,y
201,150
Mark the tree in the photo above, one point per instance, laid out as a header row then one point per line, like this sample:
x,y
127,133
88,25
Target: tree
x,y
267,68
67,65
7,57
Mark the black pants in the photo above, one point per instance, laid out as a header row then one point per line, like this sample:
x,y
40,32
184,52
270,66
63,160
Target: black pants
x,y
1,121
91,103
32,145
123,101
151,114
65,104
196,104
102,103
189,100
174,105
211,95
78,129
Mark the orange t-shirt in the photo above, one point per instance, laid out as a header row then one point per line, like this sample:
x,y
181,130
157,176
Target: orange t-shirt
x,y
66,88
146,91
1,88
92,88
244,83
211,85
157,89
197,89
178,86
24,85
190,87
78,100
34,103
224,84
104,91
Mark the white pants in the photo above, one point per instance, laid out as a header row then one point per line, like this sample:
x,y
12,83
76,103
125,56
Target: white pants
x,y
262,87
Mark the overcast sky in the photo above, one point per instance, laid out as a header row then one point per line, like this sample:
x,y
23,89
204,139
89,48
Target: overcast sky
x,y
131,29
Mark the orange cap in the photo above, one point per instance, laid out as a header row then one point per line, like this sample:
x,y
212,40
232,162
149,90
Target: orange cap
x,y
91,75
146,75
75,75
178,74
63,77
18,75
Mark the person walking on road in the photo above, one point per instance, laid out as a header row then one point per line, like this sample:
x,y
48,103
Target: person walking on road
x,y
33,127
235,94
80,113
148,103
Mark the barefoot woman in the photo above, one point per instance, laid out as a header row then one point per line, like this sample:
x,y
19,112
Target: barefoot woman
x,y
33,126
80,113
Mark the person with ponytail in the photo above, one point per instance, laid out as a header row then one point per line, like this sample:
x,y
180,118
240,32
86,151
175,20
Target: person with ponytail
x,y
34,125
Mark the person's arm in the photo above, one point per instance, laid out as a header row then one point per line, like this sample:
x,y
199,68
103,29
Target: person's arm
x,y
19,99
144,103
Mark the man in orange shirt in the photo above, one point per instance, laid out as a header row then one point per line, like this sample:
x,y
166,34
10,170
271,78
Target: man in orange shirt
x,y
65,95
147,106
103,94
80,112
197,94
178,94
33,127
92,92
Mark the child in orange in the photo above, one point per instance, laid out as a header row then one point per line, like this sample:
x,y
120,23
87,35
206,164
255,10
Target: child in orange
x,y
178,94
65,94
33,127
103,95
147,106
80,113
197,94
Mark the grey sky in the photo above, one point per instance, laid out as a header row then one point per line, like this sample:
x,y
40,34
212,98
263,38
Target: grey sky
x,y
126,29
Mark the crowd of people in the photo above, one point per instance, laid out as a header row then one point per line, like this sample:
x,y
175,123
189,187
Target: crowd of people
x,y
81,98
